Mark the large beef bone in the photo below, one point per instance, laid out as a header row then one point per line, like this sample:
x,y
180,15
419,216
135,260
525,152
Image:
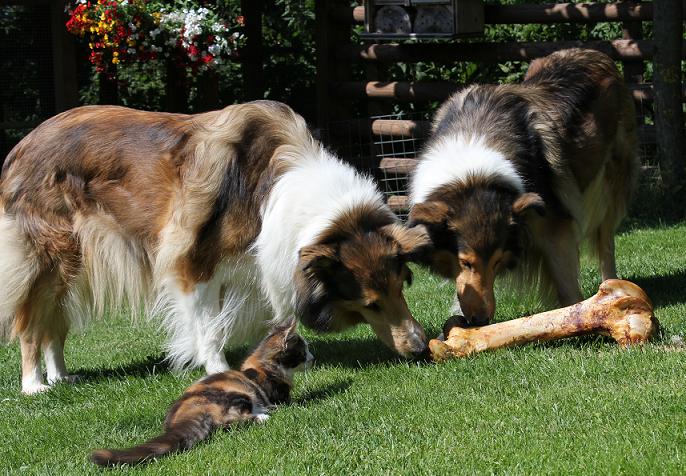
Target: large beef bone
x,y
620,309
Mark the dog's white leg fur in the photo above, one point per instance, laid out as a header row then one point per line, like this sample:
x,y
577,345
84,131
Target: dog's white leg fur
x,y
196,340
31,372
53,353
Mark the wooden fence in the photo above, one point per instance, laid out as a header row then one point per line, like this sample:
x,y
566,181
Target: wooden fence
x,y
338,52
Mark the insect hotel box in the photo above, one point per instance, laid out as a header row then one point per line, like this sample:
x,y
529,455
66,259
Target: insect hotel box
x,y
422,19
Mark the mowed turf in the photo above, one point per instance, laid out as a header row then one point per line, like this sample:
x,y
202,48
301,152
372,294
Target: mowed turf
x,y
575,406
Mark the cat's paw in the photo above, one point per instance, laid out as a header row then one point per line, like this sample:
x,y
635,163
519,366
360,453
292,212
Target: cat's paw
x,y
261,417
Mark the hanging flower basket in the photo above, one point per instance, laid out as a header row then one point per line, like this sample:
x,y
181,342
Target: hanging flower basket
x,y
124,31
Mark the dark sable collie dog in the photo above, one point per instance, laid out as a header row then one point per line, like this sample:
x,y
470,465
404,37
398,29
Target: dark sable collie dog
x,y
224,399
527,173
221,222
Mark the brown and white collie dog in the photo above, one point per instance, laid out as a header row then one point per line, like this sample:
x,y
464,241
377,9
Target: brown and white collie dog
x,y
223,223
525,174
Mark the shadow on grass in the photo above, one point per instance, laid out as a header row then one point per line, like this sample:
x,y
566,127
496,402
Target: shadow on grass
x,y
154,364
346,352
314,396
352,352
663,290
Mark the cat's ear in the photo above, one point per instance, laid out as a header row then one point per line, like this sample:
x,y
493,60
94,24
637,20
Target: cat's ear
x,y
290,328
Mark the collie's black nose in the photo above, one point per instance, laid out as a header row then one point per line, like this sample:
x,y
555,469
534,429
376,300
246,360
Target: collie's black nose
x,y
422,354
478,321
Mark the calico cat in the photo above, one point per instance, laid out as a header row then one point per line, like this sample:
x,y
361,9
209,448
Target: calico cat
x,y
224,399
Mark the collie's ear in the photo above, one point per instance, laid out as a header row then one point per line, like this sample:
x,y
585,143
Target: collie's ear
x,y
312,304
429,213
318,259
318,266
415,243
528,201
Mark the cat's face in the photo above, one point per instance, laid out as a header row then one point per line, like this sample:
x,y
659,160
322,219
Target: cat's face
x,y
296,353
285,347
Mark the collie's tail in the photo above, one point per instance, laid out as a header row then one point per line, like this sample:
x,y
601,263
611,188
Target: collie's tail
x,y
19,268
182,436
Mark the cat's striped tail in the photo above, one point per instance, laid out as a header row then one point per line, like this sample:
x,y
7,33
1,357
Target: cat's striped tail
x,y
182,436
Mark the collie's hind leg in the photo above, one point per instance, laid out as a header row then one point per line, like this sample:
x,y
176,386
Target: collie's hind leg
x,y
41,325
53,350
31,372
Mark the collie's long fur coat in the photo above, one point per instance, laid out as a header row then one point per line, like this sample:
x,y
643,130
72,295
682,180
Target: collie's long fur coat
x,y
222,223
525,173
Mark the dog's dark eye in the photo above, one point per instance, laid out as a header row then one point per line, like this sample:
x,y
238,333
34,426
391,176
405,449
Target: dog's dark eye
x,y
372,306
466,264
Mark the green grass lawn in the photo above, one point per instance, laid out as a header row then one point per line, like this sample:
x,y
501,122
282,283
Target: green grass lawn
x,y
574,406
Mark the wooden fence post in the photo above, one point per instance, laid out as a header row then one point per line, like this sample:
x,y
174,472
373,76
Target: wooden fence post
x,y
253,67
63,60
331,35
634,70
669,118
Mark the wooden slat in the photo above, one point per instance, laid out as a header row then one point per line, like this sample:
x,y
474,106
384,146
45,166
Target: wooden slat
x,y
626,50
348,14
567,12
398,203
404,91
420,129
542,13
400,128
397,90
398,166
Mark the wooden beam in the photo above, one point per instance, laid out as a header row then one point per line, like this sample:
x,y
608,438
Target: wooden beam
x,y
396,90
400,128
399,166
403,91
669,118
398,203
330,36
63,61
253,66
542,13
403,128
567,12
626,50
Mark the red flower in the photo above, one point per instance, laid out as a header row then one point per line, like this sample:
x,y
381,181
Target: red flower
x,y
240,19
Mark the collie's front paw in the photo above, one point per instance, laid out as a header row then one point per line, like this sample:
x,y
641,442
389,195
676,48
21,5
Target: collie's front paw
x,y
34,388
